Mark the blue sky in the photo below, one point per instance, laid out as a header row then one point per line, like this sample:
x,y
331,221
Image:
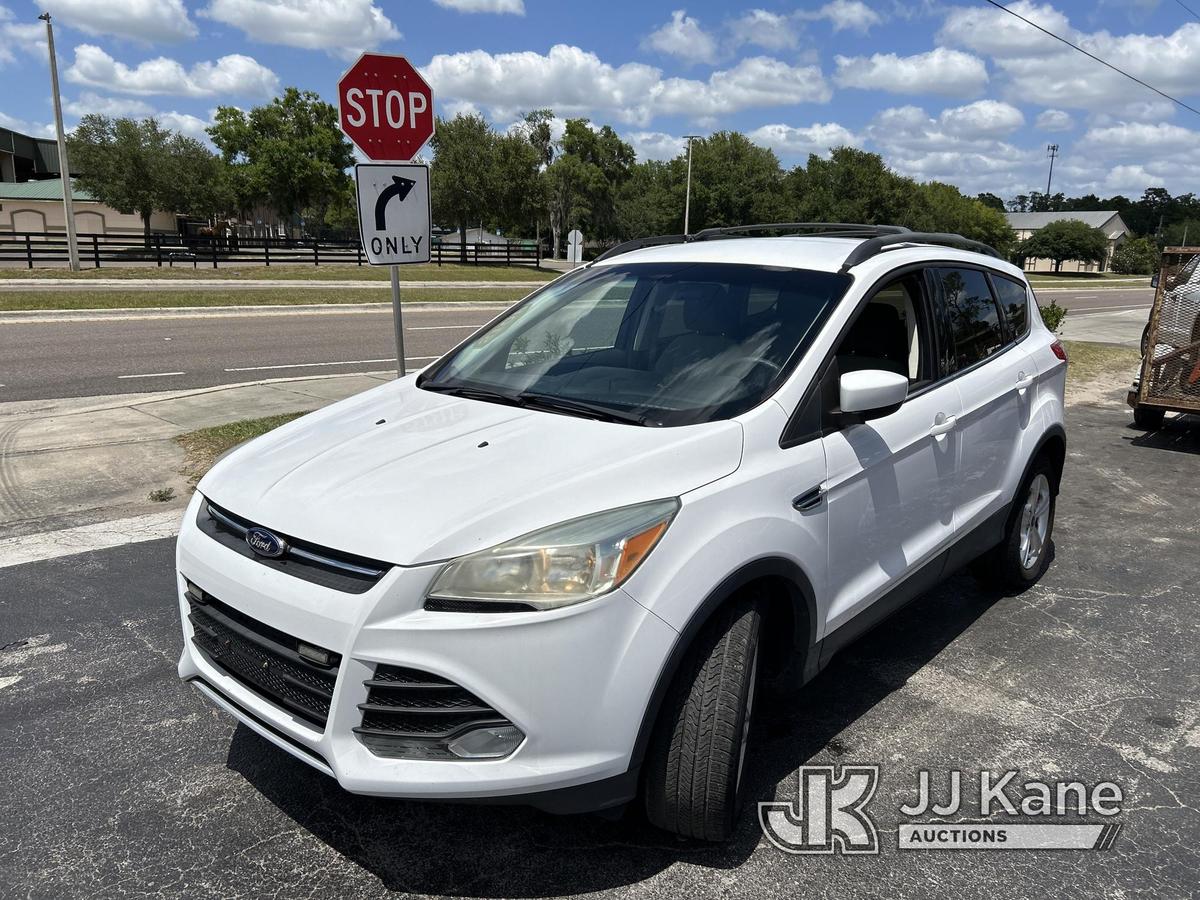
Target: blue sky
x,y
956,91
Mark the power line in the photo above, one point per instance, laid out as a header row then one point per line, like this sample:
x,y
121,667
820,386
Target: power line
x,y
1188,8
1095,57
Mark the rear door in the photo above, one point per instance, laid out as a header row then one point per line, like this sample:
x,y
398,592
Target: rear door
x,y
994,377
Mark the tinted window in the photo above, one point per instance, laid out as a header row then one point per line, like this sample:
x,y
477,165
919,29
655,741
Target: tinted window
x,y
673,343
1015,304
974,320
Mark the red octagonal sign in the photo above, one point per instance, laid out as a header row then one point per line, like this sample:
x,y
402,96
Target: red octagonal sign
x,y
385,107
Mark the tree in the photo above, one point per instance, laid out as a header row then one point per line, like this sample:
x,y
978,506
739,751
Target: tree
x,y
853,186
1136,256
290,154
734,182
462,177
990,200
651,200
1065,239
139,167
518,192
606,162
570,184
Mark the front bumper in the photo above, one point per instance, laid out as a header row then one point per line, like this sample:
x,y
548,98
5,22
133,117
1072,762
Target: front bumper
x,y
576,681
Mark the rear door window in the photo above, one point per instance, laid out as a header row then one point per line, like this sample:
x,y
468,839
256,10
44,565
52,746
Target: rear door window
x,y
974,319
1015,304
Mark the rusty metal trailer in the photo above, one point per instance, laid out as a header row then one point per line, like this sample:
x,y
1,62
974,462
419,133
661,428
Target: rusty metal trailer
x,y
1170,376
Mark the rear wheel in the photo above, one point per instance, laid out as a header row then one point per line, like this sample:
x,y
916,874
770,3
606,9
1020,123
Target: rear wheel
x,y
696,760
1148,418
1024,554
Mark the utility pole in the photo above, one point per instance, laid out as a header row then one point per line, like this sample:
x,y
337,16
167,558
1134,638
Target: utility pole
x,y
1052,152
63,165
687,201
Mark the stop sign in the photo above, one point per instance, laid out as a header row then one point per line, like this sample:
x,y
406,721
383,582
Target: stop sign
x,y
385,107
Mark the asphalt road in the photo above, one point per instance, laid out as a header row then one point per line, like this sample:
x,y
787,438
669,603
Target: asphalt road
x,y
121,782
76,356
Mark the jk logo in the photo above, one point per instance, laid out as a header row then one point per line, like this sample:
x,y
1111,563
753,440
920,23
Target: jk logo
x,y
829,815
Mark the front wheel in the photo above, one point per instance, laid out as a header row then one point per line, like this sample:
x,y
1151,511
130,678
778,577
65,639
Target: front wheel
x,y
697,756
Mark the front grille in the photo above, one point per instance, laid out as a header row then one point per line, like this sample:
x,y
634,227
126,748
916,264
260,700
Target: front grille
x,y
262,658
407,703
310,562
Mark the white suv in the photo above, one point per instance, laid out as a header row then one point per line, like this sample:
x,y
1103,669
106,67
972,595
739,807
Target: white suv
x,y
552,567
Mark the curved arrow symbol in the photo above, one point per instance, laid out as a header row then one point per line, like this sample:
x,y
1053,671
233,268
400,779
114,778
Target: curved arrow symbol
x,y
399,187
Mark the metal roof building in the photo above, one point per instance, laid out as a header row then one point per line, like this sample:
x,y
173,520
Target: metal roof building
x,y
23,157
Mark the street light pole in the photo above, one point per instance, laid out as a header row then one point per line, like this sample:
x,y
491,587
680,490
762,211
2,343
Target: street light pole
x,y
687,199
1052,152
63,165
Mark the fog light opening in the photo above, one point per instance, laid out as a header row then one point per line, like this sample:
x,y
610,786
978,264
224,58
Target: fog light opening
x,y
492,742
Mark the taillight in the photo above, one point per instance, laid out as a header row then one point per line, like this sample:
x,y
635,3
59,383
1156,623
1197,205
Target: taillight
x,y
1059,350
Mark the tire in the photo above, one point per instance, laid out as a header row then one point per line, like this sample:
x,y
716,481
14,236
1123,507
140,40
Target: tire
x,y
1020,560
694,765
1148,418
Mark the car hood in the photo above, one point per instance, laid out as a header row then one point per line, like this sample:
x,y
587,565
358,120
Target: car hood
x,y
409,476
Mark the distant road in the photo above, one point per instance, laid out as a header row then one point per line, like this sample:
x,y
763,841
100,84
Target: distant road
x,y
90,357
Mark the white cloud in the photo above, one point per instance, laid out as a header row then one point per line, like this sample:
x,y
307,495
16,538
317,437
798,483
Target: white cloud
x,y
143,20
1054,120
514,7
818,138
29,37
1140,139
576,82
846,14
335,25
940,71
1038,69
235,75
118,107
655,145
768,30
983,118
31,128
683,38
184,123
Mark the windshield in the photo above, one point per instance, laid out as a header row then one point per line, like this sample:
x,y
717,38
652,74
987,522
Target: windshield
x,y
649,343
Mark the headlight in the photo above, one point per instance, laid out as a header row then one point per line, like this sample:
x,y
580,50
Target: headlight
x,y
562,564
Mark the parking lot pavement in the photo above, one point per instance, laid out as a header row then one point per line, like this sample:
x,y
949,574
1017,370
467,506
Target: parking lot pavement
x,y
120,781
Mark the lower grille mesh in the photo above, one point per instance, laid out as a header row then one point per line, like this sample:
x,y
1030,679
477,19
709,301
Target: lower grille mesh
x,y
408,703
262,658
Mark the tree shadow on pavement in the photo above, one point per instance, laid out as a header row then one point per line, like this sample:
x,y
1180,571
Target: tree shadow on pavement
x,y
497,851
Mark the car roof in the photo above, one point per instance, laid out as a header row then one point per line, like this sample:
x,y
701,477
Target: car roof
x,y
822,254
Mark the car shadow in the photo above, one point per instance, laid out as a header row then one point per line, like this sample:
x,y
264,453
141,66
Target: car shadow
x,y
1179,433
498,851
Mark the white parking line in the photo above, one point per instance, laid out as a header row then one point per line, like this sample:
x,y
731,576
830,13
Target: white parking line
x,y
440,327
1088,309
84,538
346,362
152,375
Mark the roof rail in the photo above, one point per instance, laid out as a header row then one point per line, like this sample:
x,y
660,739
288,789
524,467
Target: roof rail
x,y
822,229
639,243
876,245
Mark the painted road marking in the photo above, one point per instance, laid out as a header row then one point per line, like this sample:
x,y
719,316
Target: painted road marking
x,y
152,375
440,327
1096,309
84,538
347,362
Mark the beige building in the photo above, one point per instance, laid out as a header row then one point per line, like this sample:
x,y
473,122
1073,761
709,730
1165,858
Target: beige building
x,y
1108,221
36,207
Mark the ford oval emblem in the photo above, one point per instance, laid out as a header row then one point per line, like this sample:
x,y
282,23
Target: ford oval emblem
x,y
264,543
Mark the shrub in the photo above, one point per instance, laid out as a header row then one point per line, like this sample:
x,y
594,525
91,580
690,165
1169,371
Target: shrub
x,y
1052,315
1136,256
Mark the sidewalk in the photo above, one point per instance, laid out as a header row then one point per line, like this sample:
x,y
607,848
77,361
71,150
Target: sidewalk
x,y
225,284
70,463
1119,327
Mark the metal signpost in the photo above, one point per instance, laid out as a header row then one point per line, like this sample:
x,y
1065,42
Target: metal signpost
x,y
575,247
386,108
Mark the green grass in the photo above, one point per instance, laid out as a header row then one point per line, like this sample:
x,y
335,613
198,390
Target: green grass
x,y
203,446
293,271
1089,280
13,301
1091,361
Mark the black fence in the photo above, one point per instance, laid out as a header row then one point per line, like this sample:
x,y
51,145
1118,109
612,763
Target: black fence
x,y
97,250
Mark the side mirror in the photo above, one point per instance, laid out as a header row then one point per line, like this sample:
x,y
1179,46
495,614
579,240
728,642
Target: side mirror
x,y
872,393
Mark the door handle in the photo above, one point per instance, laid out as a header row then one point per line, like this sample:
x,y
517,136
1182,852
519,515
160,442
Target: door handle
x,y
1025,381
810,499
943,424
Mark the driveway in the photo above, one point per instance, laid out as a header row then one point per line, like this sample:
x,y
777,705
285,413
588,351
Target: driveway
x,y
120,781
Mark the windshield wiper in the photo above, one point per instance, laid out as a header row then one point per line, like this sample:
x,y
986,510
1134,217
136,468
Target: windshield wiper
x,y
473,393
582,408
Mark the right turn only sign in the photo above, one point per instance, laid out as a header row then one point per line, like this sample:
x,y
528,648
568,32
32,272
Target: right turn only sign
x,y
393,212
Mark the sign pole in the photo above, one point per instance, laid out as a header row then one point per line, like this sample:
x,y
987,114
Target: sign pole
x,y
63,164
397,321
